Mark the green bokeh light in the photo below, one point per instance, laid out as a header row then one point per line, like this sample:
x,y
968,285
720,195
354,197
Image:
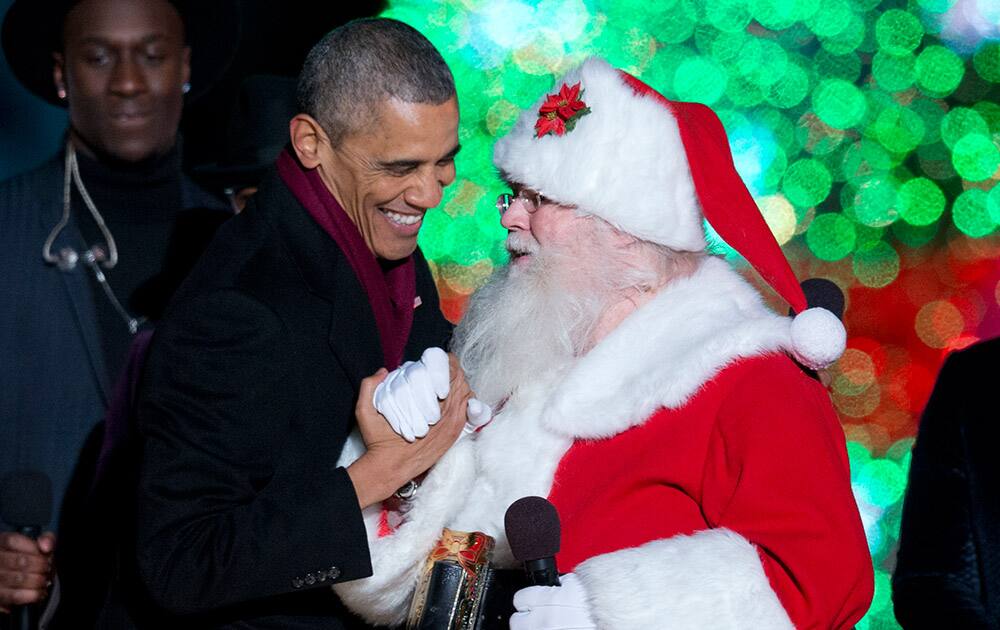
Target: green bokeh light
x,y
975,157
790,89
971,214
939,70
993,204
932,113
851,38
884,481
781,14
730,16
743,92
986,61
846,67
839,103
806,183
831,18
701,80
961,122
874,201
831,236
898,32
990,112
894,73
920,202
898,129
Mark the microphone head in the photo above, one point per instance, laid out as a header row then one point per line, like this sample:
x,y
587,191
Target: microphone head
x,y
26,499
532,525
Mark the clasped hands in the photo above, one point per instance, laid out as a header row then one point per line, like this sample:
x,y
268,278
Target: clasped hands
x,y
409,395
394,455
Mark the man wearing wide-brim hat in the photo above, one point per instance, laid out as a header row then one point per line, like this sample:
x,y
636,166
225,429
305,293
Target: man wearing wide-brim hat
x,y
83,230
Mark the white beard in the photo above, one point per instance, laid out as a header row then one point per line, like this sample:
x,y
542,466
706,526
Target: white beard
x,y
528,321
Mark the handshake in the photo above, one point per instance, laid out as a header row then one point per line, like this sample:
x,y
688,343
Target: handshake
x,y
409,395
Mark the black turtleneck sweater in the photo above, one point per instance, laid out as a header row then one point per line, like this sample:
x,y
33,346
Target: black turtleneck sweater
x,y
140,204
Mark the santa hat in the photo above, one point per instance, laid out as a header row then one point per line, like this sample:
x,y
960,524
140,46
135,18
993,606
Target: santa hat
x,y
612,146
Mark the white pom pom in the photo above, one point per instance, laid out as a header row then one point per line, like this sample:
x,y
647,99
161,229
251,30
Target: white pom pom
x,y
818,338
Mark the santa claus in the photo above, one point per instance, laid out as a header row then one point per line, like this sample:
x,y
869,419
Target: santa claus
x,y
640,384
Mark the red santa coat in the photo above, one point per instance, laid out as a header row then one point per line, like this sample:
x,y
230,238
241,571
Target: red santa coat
x,y
700,475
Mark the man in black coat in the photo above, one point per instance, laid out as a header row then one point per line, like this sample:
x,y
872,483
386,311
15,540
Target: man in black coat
x,y
123,69
948,566
261,367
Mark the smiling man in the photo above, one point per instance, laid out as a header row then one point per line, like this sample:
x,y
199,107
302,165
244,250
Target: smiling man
x,y
253,379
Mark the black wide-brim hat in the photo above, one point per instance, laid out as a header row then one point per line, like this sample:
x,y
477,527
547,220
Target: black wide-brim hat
x,y
256,134
32,30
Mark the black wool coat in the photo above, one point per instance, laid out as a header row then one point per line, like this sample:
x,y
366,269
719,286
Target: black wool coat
x,y
948,566
244,519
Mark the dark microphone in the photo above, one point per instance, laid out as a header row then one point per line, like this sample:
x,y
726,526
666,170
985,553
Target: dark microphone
x,y
26,505
532,526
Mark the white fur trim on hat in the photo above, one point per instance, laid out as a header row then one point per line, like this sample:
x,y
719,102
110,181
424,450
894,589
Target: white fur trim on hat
x,y
624,162
818,338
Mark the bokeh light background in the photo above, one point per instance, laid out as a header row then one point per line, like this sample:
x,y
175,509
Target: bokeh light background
x,y
868,131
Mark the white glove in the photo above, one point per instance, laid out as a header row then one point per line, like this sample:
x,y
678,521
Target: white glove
x,y
408,397
553,607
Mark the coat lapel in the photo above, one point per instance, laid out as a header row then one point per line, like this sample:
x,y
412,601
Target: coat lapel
x,y
353,336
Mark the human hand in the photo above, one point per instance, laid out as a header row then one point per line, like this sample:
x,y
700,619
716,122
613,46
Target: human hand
x,y
553,607
25,568
408,397
390,461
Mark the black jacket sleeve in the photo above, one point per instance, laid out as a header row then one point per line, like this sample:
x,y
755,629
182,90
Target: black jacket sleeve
x,y
936,583
226,512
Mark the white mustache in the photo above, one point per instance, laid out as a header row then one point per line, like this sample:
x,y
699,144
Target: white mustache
x,y
520,243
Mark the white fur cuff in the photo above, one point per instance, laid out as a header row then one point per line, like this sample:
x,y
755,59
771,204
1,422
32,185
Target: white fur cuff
x,y
711,579
398,559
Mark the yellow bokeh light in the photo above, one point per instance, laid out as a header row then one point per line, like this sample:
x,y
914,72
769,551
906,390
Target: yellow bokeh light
x,y
780,216
939,323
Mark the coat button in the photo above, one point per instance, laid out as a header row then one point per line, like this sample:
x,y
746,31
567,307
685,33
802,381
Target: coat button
x,y
333,573
297,582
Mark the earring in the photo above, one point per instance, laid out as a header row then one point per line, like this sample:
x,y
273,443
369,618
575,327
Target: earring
x,y
61,93
186,87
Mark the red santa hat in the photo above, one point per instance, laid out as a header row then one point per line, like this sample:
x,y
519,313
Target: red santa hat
x,y
612,146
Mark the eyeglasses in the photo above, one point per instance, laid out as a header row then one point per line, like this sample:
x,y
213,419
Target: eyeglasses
x,y
531,199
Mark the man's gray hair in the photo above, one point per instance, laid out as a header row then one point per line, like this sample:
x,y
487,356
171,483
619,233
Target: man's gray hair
x,y
357,66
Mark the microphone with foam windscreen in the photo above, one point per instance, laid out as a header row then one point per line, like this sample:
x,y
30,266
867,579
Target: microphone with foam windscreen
x,y
532,526
26,506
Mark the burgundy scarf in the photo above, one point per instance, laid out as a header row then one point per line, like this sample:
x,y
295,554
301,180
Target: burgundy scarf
x,y
391,292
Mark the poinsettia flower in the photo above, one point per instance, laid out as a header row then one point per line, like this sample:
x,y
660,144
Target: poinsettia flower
x,y
561,111
565,103
550,122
